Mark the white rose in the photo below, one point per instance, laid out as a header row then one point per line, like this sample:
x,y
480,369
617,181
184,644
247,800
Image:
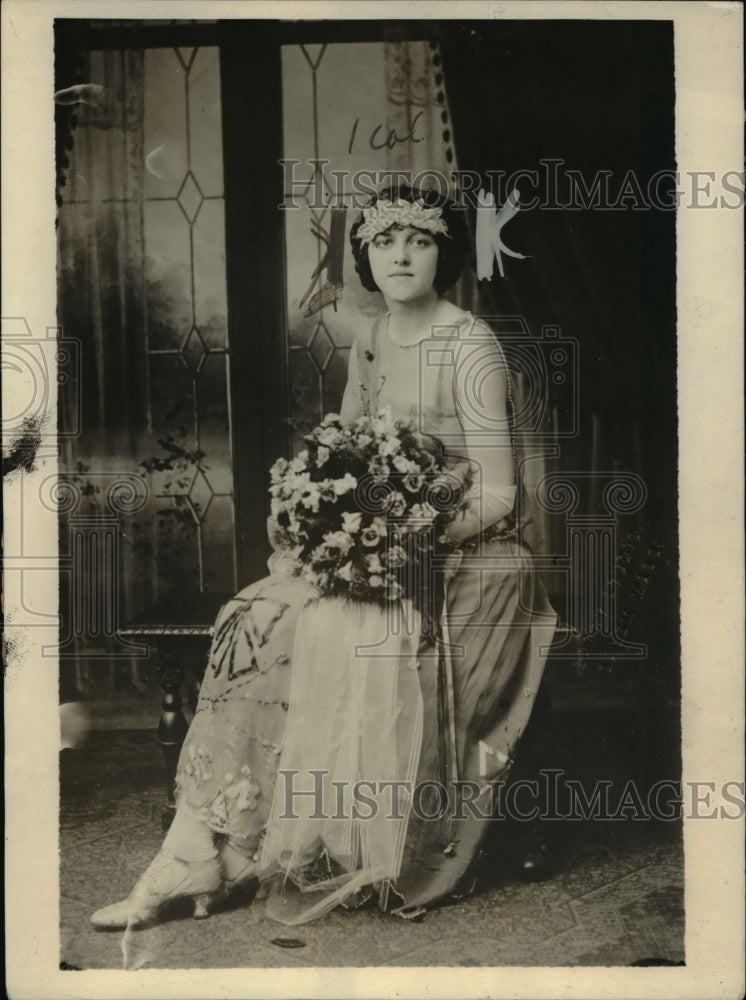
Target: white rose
x,y
298,464
344,485
338,540
329,437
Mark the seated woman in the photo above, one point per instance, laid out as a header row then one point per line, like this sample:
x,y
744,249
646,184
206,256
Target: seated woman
x,y
278,697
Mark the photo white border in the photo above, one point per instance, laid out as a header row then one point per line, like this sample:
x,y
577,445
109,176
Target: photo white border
x,y
709,123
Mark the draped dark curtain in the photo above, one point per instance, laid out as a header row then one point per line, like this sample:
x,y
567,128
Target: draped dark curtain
x,y
103,413
597,98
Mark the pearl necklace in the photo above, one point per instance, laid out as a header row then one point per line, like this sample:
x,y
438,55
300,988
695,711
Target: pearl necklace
x,y
403,347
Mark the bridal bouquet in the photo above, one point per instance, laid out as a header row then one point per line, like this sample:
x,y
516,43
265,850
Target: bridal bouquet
x,y
363,505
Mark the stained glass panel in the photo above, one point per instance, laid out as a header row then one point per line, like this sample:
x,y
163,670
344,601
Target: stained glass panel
x,y
143,288
165,124
208,259
167,273
205,109
185,263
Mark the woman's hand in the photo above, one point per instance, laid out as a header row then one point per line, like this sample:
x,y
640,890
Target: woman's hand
x,y
464,525
274,533
463,471
487,504
281,563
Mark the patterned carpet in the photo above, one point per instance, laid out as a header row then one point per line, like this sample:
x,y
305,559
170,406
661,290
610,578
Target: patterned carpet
x,y
615,898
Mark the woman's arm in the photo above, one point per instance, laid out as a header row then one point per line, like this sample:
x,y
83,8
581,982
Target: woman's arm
x,y
481,391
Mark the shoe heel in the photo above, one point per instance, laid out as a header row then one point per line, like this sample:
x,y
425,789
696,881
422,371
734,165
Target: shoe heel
x,y
202,905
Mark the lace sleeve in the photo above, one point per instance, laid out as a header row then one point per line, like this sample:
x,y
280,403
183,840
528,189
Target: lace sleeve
x,y
356,399
352,403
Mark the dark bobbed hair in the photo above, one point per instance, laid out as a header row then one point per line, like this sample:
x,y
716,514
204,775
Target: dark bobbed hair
x,y
452,249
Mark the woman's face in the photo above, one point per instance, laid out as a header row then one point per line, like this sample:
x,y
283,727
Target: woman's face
x,y
403,262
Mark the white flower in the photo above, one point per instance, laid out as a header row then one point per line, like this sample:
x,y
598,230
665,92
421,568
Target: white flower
x,y
299,463
294,524
338,540
299,481
384,421
351,522
395,556
344,485
379,468
311,497
322,455
371,535
328,494
390,445
396,505
375,580
283,490
405,465
422,512
374,563
278,470
330,418
414,482
329,436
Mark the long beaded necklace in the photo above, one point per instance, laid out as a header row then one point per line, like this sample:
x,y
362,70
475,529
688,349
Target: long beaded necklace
x,y
459,400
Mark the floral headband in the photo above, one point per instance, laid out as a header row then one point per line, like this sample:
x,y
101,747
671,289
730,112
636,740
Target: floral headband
x,y
402,213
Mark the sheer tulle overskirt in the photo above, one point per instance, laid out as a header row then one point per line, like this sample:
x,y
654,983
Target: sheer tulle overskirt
x,y
350,755
499,625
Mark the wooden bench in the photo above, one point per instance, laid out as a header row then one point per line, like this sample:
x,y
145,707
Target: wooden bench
x,y
179,635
